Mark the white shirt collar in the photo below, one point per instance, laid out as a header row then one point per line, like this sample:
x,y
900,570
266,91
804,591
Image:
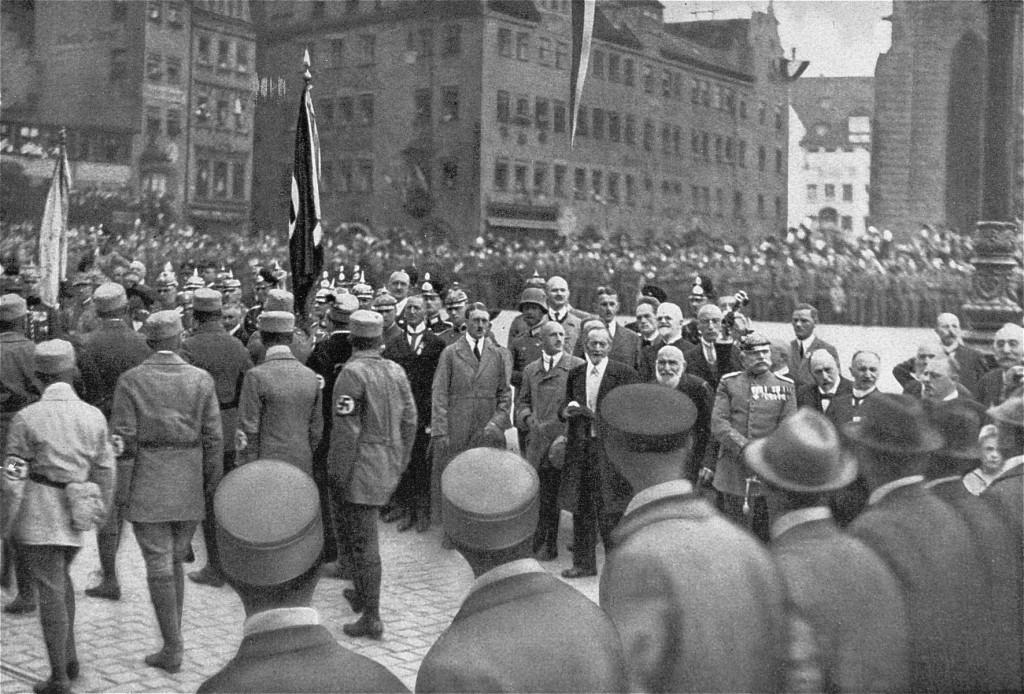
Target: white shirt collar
x,y
797,517
807,345
877,495
830,394
559,314
499,573
612,327
278,349
600,366
952,396
552,360
658,491
418,330
861,394
472,342
280,618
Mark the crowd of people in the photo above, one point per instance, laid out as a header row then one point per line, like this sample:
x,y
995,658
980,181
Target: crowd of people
x,y
749,496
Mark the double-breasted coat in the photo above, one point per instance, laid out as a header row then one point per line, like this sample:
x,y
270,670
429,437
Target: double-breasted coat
x,y
538,400
280,412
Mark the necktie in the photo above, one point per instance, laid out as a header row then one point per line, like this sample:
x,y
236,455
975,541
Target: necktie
x,y
709,354
801,351
476,349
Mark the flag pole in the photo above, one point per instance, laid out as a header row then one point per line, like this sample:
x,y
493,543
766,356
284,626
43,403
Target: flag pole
x,y
305,249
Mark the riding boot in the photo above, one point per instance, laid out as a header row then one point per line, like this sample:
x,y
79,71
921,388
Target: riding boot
x,y
163,592
109,588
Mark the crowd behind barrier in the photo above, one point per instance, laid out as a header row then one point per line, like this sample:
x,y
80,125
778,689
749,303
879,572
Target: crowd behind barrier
x,y
872,280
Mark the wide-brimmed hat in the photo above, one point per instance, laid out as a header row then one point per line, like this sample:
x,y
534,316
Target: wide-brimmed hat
x,y
960,421
803,454
895,423
1011,412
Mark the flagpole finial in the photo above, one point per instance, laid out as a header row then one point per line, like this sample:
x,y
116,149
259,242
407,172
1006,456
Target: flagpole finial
x,y
306,64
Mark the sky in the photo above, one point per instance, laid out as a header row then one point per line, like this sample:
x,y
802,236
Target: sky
x,y
841,38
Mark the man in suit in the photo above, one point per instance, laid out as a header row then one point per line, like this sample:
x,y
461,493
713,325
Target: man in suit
x,y
925,544
601,492
227,361
537,403
519,629
695,599
231,319
749,405
647,328
561,311
273,568
999,383
671,366
997,541
398,287
927,352
805,319
971,364
829,389
712,357
280,416
104,354
417,351
371,441
846,610
165,423
938,382
625,344
471,399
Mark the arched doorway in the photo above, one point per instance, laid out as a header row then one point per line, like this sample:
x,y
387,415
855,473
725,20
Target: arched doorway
x,y
964,130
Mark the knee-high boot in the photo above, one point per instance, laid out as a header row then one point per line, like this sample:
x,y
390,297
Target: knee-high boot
x,y
109,588
163,593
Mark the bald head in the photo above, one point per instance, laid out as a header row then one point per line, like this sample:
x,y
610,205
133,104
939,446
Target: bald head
x,y
824,369
926,351
558,293
670,321
709,322
1009,346
947,327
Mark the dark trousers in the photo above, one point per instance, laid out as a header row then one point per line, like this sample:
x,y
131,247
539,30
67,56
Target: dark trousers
x,y
358,543
209,523
49,566
323,486
413,490
590,517
756,521
547,524
16,562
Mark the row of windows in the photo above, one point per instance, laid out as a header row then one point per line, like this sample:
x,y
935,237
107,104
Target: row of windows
x,y
220,180
830,191
611,187
157,12
231,55
222,108
347,176
517,44
82,145
345,112
362,50
161,68
160,123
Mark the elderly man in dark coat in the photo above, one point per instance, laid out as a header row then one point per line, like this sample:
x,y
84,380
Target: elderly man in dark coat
x,y
371,441
520,629
695,599
166,420
538,400
846,611
671,368
925,544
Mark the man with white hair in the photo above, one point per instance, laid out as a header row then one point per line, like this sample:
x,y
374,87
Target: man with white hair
x,y
671,372
711,358
997,385
828,388
970,363
669,318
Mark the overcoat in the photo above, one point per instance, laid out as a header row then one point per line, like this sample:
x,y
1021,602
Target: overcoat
x,y
800,369
300,659
280,411
696,600
226,359
18,383
727,360
525,633
539,399
103,355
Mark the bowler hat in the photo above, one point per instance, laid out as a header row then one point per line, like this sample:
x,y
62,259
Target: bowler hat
x,y
162,325
109,296
490,499
269,527
535,296
895,423
803,454
54,357
12,307
647,418
960,422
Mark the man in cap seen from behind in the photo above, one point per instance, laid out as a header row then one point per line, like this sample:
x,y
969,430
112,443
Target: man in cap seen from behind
x,y
279,415
227,361
519,629
167,416
695,599
371,441
300,344
925,544
269,526
848,623
56,441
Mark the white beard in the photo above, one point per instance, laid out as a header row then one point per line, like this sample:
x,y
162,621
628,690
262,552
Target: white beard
x,y
671,381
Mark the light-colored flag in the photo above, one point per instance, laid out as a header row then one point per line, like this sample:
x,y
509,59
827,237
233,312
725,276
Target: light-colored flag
x,y
582,34
53,233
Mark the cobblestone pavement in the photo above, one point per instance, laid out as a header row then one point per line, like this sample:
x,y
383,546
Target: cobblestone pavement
x,y
422,589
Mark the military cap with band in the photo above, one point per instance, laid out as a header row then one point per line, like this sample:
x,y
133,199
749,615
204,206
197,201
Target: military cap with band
x,y
752,341
54,357
162,325
365,323
109,296
207,300
384,299
343,308
279,300
455,296
490,499
276,321
647,418
269,527
12,307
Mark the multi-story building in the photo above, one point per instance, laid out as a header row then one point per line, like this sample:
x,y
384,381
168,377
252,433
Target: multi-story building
x,y
453,117
830,152
155,95
928,152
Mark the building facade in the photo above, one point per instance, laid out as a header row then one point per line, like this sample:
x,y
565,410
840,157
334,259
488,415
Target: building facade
x,y
830,153
452,117
155,97
930,117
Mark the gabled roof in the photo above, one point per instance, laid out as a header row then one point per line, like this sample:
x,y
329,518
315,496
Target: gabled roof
x,y
604,30
825,105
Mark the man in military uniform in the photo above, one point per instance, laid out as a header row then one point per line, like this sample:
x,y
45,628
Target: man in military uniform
x,y
104,354
44,321
223,357
167,291
432,307
274,570
417,351
385,304
300,343
265,281
520,629
702,293
455,302
749,405
372,438
363,293
60,440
